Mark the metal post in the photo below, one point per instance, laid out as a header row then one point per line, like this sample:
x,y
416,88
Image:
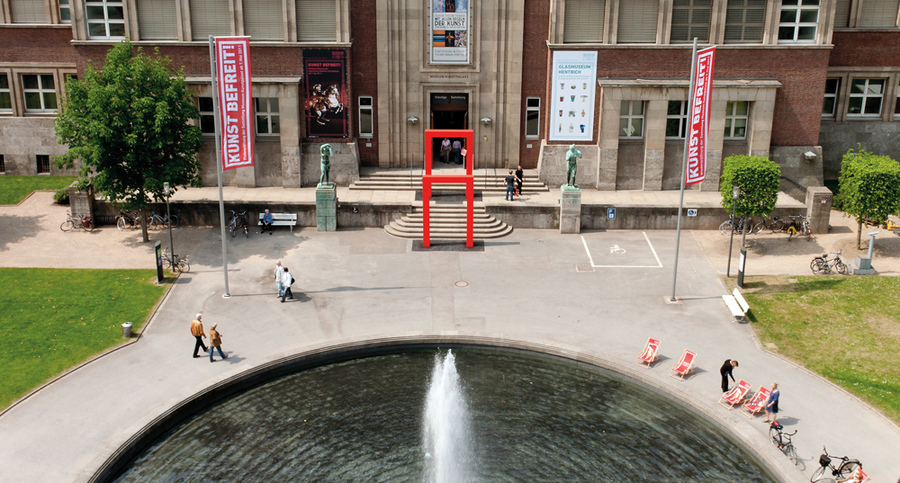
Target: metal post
x,y
735,193
169,218
683,174
216,116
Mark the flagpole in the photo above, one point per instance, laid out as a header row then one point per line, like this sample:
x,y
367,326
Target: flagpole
x,y
216,114
683,173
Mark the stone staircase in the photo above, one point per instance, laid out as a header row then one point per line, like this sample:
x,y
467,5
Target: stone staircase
x,y
406,180
448,222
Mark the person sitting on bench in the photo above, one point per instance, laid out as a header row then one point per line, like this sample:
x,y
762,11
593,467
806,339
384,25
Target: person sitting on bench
x,y
266,222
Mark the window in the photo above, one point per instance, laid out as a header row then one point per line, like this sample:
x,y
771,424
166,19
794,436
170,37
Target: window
x,y
736,119
532,117
105,19
209,17
5,95
65,12
676,119
690,18
745,21
798,22
897,105
43,163
584,21
28,11
268,121
207,115
637,21
831,91
366,117
40,93
865,97
157,20
842,13
631,120
879,13
316,20
2,164
262,20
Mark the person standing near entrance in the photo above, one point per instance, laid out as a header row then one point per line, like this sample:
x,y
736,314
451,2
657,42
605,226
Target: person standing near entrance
x,y
197,332
445,151
457,147
520,177
510,186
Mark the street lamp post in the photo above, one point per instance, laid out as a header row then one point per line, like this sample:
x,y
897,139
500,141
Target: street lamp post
x,y
735,194
169,218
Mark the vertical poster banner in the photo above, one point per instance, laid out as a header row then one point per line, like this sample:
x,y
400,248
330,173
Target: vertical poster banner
x,y
326,93
572,106
449,31
698,123
235,93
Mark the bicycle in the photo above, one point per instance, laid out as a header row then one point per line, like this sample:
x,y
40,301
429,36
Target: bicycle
x,y
161,220
824,265
128,219
726,227
844,469
801,228
82,223
783,441
238,222
776,225
181,264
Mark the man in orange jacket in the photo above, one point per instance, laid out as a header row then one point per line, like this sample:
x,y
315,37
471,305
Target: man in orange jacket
x,y
197,332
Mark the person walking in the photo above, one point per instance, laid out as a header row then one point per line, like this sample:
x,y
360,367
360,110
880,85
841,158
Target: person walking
x,y
266,222
215,342
286,280
279,274
197,332
510,186
772,403
725,371
457,148
520,177
445,151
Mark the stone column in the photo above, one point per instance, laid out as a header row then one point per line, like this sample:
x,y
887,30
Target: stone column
x,y
654,144
609,143
289,107
569,209
818,208
714,146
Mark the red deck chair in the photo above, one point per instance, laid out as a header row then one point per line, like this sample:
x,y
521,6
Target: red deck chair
x,y
758,402
736,395
648,355
685,366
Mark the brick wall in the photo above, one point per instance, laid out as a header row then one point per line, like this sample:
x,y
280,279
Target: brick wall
x,y
364,72
36,44
865,49
535,74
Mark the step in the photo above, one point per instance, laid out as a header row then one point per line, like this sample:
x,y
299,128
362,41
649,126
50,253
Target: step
x,y
442,235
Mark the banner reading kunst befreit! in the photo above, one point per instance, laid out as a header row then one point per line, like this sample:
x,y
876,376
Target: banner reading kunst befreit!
x,y
235,93
698,124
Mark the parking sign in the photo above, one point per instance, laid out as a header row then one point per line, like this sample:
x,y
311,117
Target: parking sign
x,y
610,213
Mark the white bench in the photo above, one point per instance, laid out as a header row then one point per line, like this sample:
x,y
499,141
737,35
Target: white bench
x,y
281,219
737,305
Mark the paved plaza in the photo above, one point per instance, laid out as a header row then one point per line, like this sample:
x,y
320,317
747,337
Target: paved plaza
x,y
595,297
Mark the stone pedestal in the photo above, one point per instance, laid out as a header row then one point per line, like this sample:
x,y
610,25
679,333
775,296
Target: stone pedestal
x,y
818,208
569,209
81,203
863,266
326,207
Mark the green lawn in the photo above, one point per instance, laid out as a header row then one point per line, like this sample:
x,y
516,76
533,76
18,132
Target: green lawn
x,y
54,319
14,189
844,328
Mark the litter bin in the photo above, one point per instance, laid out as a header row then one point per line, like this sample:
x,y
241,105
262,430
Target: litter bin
x,y
126,330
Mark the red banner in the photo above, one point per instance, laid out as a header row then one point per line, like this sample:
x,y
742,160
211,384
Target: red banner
x,y
235,92
698,116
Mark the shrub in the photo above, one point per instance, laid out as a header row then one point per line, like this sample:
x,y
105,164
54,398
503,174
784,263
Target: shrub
x,y
61,197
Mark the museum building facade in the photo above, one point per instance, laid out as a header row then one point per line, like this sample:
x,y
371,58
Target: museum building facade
x,y
800,81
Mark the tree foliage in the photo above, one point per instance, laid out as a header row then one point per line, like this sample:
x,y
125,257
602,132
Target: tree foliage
x,y
758,179
128,124
869,187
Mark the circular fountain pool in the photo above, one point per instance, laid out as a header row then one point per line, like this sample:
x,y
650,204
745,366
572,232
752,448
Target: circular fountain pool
x,y
532,418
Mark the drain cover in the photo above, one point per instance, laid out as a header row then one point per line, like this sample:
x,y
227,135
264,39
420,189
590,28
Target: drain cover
x,y
461,283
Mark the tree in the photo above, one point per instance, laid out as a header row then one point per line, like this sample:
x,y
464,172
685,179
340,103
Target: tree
x,y
757,177
869,188
128,124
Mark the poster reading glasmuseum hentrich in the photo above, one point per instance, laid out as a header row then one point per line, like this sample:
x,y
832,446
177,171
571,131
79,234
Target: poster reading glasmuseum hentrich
x,y
574,79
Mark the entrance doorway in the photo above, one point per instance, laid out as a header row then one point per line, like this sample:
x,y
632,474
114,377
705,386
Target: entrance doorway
x,y
448,111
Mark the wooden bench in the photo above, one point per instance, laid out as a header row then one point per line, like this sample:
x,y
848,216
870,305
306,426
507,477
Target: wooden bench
x,y
281,219
737,305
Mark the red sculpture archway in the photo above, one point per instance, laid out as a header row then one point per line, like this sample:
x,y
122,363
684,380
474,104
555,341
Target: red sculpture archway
x,y
429,179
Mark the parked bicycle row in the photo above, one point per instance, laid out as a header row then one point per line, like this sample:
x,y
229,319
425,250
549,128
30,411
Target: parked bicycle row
x,y
793,225
132,219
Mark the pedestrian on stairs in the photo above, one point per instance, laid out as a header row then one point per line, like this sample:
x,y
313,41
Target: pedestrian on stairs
x,y
510,186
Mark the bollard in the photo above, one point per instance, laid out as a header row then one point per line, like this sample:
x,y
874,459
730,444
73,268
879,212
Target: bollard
x,y
126,330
